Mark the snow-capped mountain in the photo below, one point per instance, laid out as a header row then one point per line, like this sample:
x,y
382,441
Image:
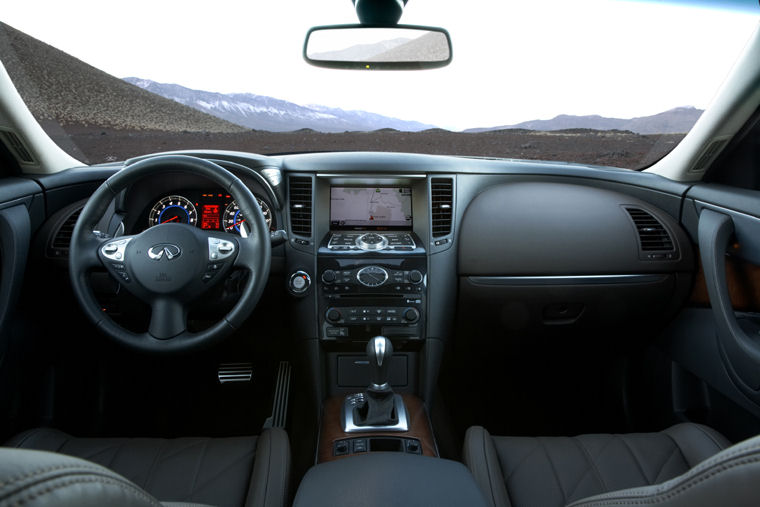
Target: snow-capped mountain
x,y
675,121
266,113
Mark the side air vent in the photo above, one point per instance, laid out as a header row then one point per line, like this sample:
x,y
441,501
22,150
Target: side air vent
x,y
653,237
442,205
300,205
59,246
17,146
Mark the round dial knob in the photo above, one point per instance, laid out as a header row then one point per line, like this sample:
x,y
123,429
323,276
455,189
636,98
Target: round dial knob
x,y
412,315
328,276
299,282
333,315
415,276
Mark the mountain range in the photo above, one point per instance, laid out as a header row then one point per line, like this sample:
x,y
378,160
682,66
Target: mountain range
x,y
674,121
260,112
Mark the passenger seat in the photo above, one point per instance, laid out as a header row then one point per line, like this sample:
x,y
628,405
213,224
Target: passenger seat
x,y
687,464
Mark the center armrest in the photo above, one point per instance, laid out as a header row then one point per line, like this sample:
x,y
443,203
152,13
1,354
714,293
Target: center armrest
x,y
388,479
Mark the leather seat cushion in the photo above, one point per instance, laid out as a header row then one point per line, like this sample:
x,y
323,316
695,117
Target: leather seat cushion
x,y
554,471
214,471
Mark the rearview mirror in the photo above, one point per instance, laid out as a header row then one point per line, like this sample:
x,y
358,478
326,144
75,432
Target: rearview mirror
x,y
400,47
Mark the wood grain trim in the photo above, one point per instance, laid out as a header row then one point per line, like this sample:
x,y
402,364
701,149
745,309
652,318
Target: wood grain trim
x,y
419,427
743,279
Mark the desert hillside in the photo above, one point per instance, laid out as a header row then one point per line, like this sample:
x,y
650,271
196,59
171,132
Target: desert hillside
x,y
61,88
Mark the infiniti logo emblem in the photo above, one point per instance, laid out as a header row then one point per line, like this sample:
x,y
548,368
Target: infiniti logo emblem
x,y
156,252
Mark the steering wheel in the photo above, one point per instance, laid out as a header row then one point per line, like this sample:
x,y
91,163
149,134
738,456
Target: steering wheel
x,y
169,266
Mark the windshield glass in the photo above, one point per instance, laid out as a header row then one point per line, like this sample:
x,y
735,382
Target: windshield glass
x,y
615,83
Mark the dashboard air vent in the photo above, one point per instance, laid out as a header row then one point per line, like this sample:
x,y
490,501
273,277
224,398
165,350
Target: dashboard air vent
x,y
652,234
62,237
442,205
300,205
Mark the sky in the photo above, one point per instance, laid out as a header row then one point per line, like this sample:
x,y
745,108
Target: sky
x,y
513,61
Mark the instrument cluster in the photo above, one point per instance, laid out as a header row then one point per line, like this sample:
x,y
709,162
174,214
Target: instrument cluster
x,y
210,210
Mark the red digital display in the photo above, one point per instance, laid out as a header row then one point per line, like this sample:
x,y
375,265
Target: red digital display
x,y
210,216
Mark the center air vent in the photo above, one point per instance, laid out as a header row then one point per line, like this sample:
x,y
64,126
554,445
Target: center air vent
x,y
300,205
442,205
653,237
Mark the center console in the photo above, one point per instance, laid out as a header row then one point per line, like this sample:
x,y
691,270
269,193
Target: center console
x,y
371,267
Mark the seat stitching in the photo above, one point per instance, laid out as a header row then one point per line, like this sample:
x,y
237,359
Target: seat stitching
x,y
592,460
153,464
488,467
590,468
220,472
523,460
662,469
678,447
98,452
554,470
116,454
635,459
707,434
197,469
182,449
659,496
66,440
103,480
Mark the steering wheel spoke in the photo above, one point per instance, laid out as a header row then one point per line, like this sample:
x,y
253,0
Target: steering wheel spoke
x,y
113,255
168,318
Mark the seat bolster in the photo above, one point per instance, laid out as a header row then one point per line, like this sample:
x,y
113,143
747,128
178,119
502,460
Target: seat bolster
x,y
728,478
479,454
46,439
697,442
40,479
271,470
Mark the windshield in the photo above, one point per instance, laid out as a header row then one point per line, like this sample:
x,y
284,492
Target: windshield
x,y
615,83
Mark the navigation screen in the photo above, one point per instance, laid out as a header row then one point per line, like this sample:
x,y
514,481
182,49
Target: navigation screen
x,y
371,207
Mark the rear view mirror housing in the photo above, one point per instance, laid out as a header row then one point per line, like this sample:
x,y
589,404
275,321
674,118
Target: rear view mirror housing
x,y
372,47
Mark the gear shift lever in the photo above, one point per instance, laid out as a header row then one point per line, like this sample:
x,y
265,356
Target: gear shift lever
x,y
379,353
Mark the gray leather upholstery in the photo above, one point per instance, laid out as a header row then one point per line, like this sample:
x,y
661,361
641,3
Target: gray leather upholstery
x,y
554,471
37,478
216,471
728,478
385,479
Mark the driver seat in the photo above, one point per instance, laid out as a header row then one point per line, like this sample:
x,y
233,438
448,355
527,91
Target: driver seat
x,y
235,471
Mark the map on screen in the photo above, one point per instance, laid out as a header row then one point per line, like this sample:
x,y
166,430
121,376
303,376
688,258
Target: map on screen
x,y
371,207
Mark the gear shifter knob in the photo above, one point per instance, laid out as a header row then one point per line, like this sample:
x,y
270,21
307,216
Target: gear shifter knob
x,y
379,353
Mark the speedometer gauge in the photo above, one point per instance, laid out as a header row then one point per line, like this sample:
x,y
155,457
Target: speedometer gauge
x,y
173,209
233,217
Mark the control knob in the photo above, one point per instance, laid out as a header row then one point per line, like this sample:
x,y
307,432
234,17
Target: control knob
x,y
415,276
333,315
411,315
328,276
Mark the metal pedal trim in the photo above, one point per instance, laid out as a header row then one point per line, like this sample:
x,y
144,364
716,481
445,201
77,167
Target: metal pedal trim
x,y
235,372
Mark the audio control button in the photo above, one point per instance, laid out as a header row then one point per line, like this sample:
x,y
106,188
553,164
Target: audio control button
x,y
415,276
328,276
411,315
333,315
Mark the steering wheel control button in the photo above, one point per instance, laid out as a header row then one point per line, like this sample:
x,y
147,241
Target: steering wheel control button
x,y
299,283
115,250
220,249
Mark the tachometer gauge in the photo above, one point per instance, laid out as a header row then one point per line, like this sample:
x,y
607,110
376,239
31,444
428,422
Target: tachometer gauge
x,y
233,217
173,209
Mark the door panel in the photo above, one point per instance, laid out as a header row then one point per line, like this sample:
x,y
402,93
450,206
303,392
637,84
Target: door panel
x,y
720,345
